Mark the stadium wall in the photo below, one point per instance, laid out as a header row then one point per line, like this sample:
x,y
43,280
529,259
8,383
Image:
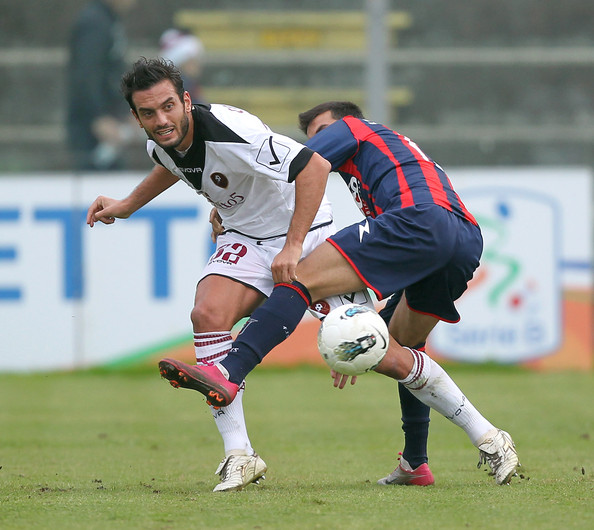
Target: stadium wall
x,y
72,297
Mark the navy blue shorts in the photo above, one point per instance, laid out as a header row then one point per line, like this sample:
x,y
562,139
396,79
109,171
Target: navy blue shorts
x,y
426,250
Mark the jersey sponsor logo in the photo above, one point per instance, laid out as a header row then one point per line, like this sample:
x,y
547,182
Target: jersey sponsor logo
x,y
272,154
191,169
219,180
355,189
234,200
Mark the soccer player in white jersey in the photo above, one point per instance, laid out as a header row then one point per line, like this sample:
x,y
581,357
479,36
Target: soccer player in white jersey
x,y
250,174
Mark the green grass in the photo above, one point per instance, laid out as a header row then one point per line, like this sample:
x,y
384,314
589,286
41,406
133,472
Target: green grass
x,y
123,450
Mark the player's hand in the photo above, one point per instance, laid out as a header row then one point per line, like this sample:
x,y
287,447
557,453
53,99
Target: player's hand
x,y
284,265
217,224
340,380
106,210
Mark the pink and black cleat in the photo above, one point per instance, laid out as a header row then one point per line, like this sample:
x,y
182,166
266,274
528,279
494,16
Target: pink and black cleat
x,y
208,380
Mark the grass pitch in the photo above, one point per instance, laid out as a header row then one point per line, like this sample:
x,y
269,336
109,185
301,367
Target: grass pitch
x,y
123,450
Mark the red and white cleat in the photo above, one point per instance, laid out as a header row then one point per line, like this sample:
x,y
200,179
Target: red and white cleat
x,y
404,475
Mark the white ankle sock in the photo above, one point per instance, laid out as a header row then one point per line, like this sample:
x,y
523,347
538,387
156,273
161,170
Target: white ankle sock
x,y
433,386
230,421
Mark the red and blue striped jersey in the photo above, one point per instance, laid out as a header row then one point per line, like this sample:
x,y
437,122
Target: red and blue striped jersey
x,y
384,169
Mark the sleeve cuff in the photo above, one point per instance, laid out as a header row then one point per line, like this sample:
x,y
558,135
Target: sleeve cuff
x,y
299,162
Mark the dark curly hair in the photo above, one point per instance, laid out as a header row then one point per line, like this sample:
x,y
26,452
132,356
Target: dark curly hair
x,y
146,73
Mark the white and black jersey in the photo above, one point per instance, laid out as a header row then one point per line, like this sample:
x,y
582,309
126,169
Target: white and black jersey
x,y
243,168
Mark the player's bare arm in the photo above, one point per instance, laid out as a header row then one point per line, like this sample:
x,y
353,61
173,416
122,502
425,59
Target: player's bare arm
x,y
310,185
107,210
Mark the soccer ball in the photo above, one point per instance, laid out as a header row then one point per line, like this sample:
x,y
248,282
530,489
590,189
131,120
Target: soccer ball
x,y
353,339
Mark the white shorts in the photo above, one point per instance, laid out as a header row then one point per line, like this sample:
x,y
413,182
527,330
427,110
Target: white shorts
x,y
248,261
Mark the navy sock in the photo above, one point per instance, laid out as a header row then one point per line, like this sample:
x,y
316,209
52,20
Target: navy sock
x,y
415,414
415,424
268,326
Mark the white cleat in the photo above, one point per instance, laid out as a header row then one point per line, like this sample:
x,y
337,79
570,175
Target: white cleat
x,y
498,450
239,470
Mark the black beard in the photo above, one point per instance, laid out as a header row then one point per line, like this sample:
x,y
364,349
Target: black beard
x,y
185,125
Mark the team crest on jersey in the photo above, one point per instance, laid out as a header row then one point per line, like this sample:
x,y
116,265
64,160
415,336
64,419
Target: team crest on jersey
x,y
321,306
219,180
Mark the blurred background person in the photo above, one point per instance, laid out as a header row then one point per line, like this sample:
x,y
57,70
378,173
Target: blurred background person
x,y
98,124
186,51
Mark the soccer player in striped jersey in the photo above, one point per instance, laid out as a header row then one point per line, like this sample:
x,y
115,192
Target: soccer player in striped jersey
x,y
417,237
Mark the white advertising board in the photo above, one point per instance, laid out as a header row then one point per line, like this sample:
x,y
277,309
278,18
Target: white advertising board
x,y
72,296
537,230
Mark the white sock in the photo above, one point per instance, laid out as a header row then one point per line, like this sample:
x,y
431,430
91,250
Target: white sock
x,y
230,421
212,347
433,386
231,424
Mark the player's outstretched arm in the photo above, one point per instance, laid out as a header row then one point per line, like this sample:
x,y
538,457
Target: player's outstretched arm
x,y
310,186
107,210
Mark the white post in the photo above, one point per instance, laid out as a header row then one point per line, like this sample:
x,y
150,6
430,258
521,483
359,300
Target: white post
x,y
376,75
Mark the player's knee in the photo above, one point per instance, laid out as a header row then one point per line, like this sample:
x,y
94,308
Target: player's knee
x,y
206,318
408,334
410,328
